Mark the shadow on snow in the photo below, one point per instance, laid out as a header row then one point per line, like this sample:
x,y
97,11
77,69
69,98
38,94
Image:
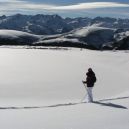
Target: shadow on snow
x,y
100,102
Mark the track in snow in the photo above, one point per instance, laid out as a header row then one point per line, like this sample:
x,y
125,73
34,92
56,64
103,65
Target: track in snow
x,y
100,102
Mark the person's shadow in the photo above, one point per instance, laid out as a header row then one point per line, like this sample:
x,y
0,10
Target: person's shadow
x,y
109,104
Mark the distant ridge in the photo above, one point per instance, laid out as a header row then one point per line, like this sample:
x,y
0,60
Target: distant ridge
x,y
91,37
41,24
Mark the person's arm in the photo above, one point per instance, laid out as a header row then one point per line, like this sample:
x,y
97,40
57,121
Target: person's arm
x,y
84,82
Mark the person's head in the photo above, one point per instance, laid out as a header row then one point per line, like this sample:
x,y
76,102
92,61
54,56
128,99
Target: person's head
x,y
89,69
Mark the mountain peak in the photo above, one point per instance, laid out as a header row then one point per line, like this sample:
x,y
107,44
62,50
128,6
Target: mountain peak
x,y
54,24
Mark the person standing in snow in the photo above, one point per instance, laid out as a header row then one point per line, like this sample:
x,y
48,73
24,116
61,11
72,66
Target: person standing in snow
x,y
90,80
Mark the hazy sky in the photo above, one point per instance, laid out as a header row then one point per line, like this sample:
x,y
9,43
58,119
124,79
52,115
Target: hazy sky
x,y
67,8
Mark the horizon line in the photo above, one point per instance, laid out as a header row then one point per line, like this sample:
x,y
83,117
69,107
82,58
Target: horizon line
x,y
62,16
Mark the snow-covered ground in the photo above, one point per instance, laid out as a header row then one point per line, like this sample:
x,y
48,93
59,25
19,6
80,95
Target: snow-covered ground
x,y
42,89
13,34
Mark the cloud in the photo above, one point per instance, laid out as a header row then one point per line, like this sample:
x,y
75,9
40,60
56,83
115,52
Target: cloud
x,y
93,5
14,6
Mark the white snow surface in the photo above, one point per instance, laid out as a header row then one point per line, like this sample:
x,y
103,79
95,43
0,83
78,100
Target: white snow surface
x,y
121,36
61,39
42,89
83,32
15,34
127,33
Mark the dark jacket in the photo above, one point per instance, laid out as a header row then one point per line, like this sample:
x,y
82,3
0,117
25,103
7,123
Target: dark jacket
x,y
90,79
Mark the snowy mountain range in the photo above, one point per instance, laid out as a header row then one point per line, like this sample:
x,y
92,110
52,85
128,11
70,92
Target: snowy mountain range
x,y
54,24
52,30
92,37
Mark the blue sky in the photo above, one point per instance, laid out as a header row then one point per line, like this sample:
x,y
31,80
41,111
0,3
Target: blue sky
x,y
67,8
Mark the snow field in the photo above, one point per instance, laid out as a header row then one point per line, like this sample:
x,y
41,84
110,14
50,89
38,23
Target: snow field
x,y
42,89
